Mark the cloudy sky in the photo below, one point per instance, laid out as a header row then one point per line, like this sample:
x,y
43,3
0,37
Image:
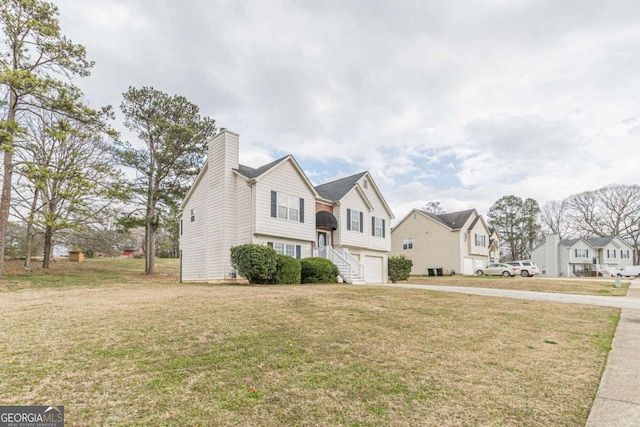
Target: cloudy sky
x,y
460,102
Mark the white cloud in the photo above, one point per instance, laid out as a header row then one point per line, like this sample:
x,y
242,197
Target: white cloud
x,y
533,98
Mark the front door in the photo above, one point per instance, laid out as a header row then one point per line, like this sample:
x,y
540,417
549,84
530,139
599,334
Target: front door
x,y
323,239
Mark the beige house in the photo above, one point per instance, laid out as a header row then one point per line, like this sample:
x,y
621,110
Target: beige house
x,y
452,243
347,220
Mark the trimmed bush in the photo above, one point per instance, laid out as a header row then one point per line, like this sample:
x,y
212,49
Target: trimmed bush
x,y
287,270
256,263
399,268
318,270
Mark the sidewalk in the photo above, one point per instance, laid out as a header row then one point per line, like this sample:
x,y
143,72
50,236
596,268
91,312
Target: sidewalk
x,y
617,402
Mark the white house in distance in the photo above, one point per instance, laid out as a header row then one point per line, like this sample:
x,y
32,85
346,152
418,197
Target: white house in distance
x,y
456,242
230,204
581,257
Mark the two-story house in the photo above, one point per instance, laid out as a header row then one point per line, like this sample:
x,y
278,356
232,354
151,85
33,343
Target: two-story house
x,y
582,257
452,243
276,204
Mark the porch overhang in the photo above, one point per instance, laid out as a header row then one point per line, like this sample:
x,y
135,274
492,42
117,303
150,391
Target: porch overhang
x,y
326,219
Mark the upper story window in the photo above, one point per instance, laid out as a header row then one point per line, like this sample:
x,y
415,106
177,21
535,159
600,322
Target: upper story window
x,y
581,253
355,220
193,215
624,254
611,253
377,227
407,243
480,240
365,184
286,206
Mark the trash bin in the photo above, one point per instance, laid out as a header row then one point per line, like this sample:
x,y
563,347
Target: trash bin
x,y
439,271
431,271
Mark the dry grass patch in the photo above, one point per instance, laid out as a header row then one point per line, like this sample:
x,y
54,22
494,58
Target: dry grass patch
x,y
91,272
300,355
586,286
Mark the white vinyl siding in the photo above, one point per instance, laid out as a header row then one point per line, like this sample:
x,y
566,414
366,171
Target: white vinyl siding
x,y
348,234
284,179
193,238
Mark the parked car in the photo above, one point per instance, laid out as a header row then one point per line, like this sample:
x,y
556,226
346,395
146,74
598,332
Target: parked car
x,y
527,268
629,271
498,270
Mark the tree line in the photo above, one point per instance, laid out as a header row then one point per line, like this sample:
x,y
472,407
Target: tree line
x,y
62,161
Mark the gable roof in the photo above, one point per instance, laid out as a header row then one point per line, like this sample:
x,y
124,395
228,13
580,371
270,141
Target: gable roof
x,y
250,173
601,241
253,175
571,242
336,190
455,220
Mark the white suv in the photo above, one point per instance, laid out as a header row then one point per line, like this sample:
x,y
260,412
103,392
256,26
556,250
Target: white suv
x,y
527,268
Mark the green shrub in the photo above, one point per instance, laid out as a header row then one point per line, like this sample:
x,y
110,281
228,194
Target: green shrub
x,y
256,263
399,268
318,270
287,270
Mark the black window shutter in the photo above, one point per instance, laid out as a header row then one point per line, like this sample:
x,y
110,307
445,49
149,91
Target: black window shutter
x,y
270,244
298,251
301,210
383,230
373,225
181,227
348,219
361,222
274,204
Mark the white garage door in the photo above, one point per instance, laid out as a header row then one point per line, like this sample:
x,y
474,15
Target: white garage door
x,y
479,264
468,266
373,269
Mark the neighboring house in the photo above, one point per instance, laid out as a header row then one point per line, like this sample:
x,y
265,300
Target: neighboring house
x,y
581,257
230,204
452,243
130,250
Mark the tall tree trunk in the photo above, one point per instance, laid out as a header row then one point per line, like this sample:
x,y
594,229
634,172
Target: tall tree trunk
x,y
150,240
29,242
48,246
7,176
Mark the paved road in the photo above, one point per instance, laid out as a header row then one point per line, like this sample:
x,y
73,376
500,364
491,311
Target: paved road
x,y
617,402
620,302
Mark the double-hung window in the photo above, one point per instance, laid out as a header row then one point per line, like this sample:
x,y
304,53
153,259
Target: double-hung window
x,y
286,249
355,219
480,240
377,227
582,253
407,243
286,206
